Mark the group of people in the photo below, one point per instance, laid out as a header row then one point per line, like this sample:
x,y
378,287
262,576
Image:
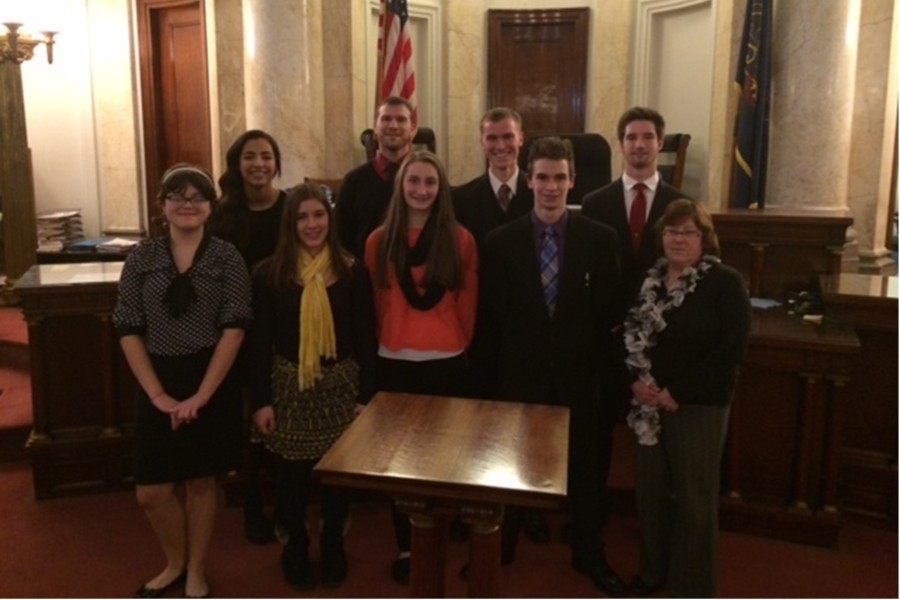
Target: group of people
x,y
493,289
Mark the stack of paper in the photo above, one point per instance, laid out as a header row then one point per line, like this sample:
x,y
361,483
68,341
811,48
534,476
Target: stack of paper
x,y
57,228
117,245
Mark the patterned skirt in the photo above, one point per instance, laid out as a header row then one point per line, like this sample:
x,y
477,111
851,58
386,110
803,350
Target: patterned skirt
x,y
307,423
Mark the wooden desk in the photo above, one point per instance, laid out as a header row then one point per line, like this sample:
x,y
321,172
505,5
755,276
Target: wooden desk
x,y
438,456
82,390
868,303
782,456
781,249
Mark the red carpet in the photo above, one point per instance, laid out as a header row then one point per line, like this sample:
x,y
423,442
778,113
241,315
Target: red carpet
x,y
101,546
15,381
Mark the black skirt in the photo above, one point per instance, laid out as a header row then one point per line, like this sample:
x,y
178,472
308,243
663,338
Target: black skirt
x,y
211,445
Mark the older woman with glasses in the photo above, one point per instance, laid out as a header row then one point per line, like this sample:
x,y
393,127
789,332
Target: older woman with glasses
x,y
684,337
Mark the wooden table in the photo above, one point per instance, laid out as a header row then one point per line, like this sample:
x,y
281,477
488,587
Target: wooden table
x,y
440,456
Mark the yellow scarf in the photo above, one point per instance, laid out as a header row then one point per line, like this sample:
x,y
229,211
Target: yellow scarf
x,y
316,322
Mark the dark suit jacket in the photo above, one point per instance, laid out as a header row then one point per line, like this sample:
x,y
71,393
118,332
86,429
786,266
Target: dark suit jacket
x,y
607,205
567,360
360,206
477,209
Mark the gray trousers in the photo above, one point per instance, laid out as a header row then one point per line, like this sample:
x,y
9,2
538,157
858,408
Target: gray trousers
x,y
677,490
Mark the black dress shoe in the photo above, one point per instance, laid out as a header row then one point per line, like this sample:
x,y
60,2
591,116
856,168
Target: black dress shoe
x,y
400,570
535,525
148,592
641,588
604,578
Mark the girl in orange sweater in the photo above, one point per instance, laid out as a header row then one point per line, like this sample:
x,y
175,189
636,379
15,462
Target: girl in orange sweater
x,y
424,268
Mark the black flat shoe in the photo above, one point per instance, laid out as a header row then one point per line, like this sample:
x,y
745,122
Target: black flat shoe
x,y
148,592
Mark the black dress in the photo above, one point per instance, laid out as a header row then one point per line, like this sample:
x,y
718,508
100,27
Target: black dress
x,y
180,349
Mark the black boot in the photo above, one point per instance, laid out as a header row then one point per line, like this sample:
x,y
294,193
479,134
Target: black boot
x,y
334,563
296,567
257,528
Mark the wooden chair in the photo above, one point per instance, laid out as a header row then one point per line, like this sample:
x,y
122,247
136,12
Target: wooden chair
x,y
672,158
424,138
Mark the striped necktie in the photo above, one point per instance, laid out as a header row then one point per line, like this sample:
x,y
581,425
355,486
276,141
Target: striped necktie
x,y
550,268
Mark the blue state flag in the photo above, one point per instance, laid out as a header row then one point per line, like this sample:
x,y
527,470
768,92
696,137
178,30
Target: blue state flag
x,y
751,132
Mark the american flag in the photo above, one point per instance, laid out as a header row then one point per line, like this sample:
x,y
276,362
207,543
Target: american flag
x,y
396,76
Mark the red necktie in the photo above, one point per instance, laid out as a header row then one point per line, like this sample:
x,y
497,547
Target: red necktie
x,y
638,216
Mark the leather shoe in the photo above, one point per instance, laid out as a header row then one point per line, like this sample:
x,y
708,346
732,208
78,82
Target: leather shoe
x,y
535,525
641,588
148,592
400,570
604,578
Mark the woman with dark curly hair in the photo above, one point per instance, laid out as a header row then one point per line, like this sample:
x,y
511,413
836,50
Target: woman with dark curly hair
x,y
248,216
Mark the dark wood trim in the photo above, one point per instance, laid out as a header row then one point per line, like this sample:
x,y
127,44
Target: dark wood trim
x,y
151,101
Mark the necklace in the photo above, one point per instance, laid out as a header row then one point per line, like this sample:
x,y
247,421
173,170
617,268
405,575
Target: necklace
x,y
644,322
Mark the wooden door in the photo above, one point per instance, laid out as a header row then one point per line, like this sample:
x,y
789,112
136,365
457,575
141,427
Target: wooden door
x,y
537,64
175,94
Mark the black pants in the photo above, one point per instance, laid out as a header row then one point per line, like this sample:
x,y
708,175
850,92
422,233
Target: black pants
x,y
445,377
293,486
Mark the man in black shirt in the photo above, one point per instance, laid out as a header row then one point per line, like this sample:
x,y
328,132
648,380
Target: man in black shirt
x,y
366,190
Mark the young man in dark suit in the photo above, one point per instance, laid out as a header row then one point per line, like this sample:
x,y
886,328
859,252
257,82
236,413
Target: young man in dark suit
x,y
553,287
640,132
498,196
631,205
366,190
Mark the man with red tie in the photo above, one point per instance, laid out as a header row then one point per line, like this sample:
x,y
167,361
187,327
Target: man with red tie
x,y
631,205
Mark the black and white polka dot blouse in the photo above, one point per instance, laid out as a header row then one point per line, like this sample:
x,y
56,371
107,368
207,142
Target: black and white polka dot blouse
x,y
220,279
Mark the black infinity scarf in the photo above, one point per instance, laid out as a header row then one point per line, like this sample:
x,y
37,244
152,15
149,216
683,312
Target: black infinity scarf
x,y
416,256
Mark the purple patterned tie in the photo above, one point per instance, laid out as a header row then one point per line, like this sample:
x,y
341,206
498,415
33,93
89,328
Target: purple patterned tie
x,y
550,268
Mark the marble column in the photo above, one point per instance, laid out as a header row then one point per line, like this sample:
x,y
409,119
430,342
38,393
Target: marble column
x,y
284,81
874,125
16,179
814,66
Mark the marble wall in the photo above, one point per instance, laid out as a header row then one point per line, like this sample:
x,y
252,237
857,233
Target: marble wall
x,y
299,68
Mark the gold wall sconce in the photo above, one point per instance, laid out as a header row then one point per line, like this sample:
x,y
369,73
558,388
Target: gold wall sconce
x,y
18,47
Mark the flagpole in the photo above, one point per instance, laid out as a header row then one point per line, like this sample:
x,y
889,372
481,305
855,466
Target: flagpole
x,y
379,59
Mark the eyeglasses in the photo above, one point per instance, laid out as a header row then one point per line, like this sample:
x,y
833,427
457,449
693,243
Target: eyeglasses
x,y
179,200
682,233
